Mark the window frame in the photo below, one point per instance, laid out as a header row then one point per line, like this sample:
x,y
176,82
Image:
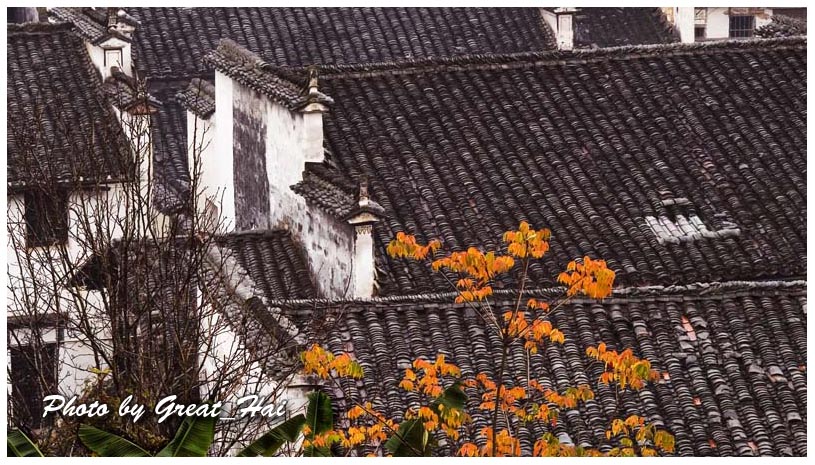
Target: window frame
x,y
23,392
119,62
741,32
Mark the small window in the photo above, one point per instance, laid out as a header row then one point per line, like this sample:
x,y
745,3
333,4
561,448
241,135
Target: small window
x,y
742,26
46,218
700,32
113,57
33,376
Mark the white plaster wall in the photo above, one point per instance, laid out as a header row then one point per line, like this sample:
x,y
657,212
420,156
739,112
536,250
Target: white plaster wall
x,y
101,208
204,164
684,22
328,243
77,359
291,139
718,22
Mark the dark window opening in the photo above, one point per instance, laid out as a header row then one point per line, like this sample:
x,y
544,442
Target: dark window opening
x,y
742,26
699,32
96,274
33,376
46,218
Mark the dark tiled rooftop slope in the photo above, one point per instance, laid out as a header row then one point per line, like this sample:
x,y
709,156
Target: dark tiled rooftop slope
x,y
170,45
613,27
60,123
198,97
735,358
323,192
274,262
90,23
173,41
783,26
170,146
587,144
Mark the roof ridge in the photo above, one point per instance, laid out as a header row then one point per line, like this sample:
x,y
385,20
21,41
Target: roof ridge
x,y
275,232
38,28
539,58
249,69
657,291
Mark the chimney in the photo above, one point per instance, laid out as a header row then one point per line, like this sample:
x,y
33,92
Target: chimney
x,y
22,15
313,119
684,22
362,219
565,27
113,49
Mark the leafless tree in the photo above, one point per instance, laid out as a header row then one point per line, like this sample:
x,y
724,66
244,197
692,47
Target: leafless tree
x,y
108,297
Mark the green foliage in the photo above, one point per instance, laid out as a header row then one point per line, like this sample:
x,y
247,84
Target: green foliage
x,y
106,444
195,435
320,419
268,444
453,398
192,439
411,440
19,445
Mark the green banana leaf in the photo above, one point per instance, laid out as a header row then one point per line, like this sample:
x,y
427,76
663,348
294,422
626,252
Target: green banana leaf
x,y
411,440
453,397
319,414
268,444
106,444
192,439
19,445
320,419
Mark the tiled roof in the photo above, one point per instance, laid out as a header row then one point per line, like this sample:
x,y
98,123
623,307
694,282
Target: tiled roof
x,y
273,261
126,93
325,194
169,137
198,97
247,68
171,42
783,26
588,144
734,355
90,23
613,27
61,125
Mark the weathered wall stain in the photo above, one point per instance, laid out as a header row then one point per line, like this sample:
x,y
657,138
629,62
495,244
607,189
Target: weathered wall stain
x,y
251,182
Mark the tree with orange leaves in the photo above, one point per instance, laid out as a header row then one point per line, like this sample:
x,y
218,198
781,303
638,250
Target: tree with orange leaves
x,y
528,324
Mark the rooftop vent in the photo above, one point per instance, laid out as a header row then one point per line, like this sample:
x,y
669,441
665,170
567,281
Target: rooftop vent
x,y
682,224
